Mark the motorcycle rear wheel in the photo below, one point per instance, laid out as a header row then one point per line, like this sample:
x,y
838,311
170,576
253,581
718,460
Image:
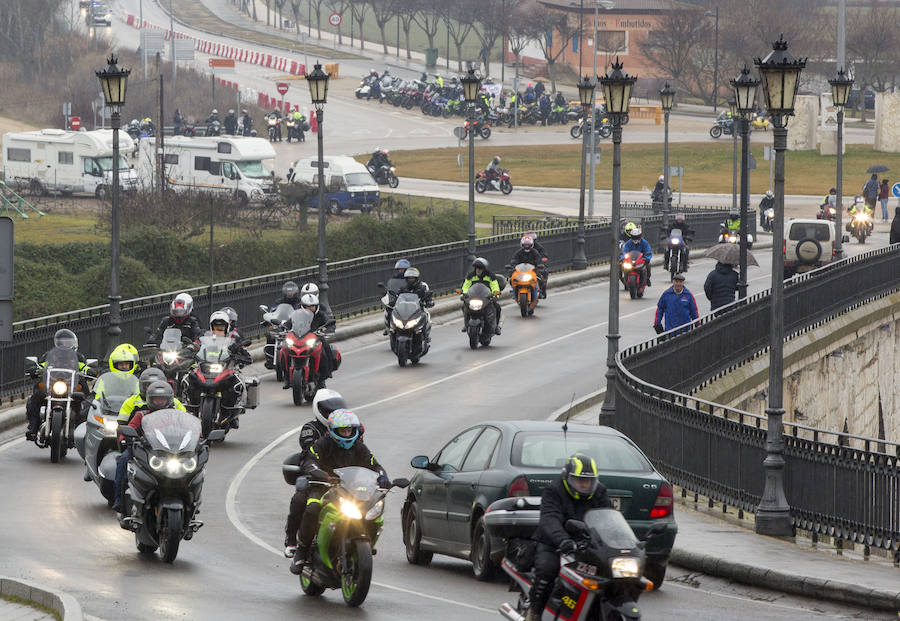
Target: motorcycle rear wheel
x,y
57,437
480,186
355,587
170,535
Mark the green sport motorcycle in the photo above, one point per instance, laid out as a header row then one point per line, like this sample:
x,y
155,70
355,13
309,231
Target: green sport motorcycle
x,y
349,525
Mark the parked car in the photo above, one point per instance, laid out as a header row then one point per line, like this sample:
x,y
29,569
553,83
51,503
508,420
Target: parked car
x,y
853,99
100,15
447,499
808,244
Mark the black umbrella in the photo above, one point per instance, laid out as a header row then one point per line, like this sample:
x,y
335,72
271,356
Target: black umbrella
x,y
877,168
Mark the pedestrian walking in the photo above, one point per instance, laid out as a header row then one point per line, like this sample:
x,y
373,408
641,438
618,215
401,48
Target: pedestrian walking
x,y
721,285
884,193
895,227
870,191
676,307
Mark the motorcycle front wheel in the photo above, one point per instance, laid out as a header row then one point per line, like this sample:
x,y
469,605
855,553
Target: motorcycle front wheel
x,y
297,386
402,353
392,180
715,131
207,416
485,132
575,132
357,577
473,337
506,186
57,437
170,534
605,131
523,303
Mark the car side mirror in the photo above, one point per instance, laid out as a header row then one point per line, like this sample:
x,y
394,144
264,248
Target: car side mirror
x,y
126,431
845,239
216,435
402,483
420,462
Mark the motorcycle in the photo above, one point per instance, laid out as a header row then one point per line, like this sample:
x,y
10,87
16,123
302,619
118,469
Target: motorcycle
x,y
730,236
274,322
188,129
721,126
826,212
95,439
483,182
295,129
172,357
861,225
600,580
410,329
273,124
675,259
385,175
350,521
65,386
301,354
604,128
482,315
525,287
634,273
213,128
759,121
215,374
479,126
165,478
768,219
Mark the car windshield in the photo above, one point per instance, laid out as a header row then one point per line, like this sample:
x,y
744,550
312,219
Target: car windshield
x,y
810,230
171,340
611,527
524,267
361,483
407,305
301,322
172,431
214,348
106,162
253,169
479,290
551,449
359,178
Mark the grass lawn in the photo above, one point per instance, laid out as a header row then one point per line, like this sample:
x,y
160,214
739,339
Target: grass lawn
x,y
707,166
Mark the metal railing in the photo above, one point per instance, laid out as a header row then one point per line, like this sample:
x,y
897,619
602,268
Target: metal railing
x,y
837,484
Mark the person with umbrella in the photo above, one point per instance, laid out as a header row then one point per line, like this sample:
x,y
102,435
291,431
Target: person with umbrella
x,y
721,285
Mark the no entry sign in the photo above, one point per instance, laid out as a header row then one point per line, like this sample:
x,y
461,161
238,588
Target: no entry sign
x,y
75,123
282,88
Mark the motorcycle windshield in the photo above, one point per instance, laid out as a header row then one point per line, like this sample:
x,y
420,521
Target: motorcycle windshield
x,y
117,388
675,234
611,527
360,483
406,306
171,340
394,285
633,256
172,431
214,348
524,267
62,358
479,291
281,314
301,322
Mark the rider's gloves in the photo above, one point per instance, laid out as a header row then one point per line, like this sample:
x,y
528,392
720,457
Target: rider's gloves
x,y
383,481
567,546
658,327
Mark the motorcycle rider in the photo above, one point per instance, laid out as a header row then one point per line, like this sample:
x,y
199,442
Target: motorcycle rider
x,y
637,243
529,254
290,294
544,107
325,402
860,205
395,283
180,316
414,284
123,360
625,235
768,202
687,234
230,123
310,302
379,162
830,200
537,244
493,169
661,195
247,122
342,447
481,273
178,122
276,114
299,119
65,339
232,322
559,100
577,491
219,325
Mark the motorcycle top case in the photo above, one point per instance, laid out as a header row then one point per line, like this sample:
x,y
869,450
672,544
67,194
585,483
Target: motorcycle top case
x,y
514,517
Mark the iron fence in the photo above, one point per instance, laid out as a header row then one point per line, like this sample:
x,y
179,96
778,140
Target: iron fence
x,y
837,484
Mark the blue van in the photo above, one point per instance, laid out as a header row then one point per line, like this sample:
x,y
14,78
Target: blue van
x,y
348,184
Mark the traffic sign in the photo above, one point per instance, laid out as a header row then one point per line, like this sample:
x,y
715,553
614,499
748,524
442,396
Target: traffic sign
x,y
75,123
334,19
221,63
676,171
282,88
768,154
896,190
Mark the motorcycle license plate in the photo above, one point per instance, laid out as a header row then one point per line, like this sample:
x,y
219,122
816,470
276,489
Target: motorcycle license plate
x,y
585,568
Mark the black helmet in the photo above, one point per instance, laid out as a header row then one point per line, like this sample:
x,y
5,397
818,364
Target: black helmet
x,y
160,396
148,377
580,476
480,262
66,339
290,290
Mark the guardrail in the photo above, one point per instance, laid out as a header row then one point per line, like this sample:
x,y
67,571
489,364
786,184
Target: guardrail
x,y
837,484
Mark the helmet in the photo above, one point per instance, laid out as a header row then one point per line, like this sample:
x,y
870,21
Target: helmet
x,y
325,402
856,199
160,396
480,262
496,159
402,264
220,319
636,233
310,299
412,276
309,287
662,178
148,377
290,290
230,110
232,316
532,235
527,243
181,306
630,227
244,111
344,427
66,339
123,358
832,191
734,213
215,111
580,476
373,72
679,218
769,194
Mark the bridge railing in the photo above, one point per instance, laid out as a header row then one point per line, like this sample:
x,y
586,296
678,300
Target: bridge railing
x,y
837,484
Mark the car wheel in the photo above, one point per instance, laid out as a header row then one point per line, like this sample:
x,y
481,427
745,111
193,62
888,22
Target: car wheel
x,y
412,536
655,573
480,555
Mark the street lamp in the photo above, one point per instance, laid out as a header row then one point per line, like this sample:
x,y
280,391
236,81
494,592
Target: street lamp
x,y
114,82
840,93
744,91
607,5
617,87
318,93
471,86
586,96
732,108
715,61
780,73
667,99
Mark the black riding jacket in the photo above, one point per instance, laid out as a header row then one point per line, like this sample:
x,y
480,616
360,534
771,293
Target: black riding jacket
x,y
557,506
190,328
532,256
310,432
325,454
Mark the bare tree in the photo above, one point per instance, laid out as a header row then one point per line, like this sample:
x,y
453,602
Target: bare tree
x,y
359,10
560,30
460,24
406,11
383,11
678,48
491,19
317,9
872,42
340,7
428,14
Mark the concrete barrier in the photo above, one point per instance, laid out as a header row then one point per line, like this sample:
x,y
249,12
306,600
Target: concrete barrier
x,y
63,604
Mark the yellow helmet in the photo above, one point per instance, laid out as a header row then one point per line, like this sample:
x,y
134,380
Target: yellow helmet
x,y
121,355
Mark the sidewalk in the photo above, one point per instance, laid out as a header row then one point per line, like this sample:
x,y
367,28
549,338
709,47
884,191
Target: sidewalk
x,y
28,593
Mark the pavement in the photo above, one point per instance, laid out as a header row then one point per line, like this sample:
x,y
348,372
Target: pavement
x,y
28,596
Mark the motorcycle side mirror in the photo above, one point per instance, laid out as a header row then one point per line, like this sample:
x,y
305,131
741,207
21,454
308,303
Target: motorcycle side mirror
x,y
402,483
216,435
654,531
92,363
845,239
301,484
576,527
126,431
263,308
30,362
419,462
380,286
246,342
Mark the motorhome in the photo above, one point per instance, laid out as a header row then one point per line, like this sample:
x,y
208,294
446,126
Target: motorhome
x,y
348,184
55,160
225,165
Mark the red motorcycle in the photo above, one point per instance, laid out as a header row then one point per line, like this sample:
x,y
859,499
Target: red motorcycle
x,y
634,273
484,182
215,381
301,355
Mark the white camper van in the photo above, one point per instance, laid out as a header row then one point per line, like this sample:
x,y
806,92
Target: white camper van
x,y
229,165
54,160
348,184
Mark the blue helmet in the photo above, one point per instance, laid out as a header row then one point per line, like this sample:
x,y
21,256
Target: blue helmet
x,y
402,264
344,428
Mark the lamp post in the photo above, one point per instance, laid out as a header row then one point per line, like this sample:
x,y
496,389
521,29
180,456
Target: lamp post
x,y
667,99
607,5
318,93
471,85
840,93
617,87
586,96
114,82
732,107
715,61
744,91
779,73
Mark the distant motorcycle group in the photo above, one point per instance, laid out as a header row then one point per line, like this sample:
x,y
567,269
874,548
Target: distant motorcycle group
x,y
861,222
724,123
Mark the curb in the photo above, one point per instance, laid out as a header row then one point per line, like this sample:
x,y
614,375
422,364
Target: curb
x,y
63,604
816,588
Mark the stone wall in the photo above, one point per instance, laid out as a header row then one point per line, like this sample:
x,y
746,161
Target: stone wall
x,y
887,122
803,125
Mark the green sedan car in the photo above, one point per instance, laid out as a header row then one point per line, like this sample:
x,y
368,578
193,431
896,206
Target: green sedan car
x,y
446,502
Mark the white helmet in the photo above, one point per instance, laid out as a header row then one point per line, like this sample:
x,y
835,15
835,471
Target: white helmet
x,y
309,287
219,317
181,306
325,402
662,177
310,299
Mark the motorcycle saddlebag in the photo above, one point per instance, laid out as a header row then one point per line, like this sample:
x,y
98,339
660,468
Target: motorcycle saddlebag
x,y
290,468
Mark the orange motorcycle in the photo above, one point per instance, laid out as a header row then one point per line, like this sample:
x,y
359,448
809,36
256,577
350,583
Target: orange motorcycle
x,y
525,287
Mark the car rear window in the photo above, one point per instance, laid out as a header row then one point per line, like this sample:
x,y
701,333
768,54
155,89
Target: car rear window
x,y
550,449
810,230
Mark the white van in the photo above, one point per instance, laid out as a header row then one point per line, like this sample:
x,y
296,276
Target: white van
x,y
228,165
348,184
55,160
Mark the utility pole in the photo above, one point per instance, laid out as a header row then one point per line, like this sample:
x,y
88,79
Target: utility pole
x,y
172,40
161,140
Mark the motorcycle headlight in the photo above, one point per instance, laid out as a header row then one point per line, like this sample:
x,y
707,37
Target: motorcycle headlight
x,y
770,213
156,462
310,342
412,323
350,510
189,464
676,241
476,305
110,424
169,357
290,340
524,277
375,512
831,210
399,323
215,368
60,387
861,217
627,265
625,567
393,169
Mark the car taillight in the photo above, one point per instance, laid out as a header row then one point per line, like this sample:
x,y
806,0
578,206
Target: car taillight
x,y
784,247
664,503
519,487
